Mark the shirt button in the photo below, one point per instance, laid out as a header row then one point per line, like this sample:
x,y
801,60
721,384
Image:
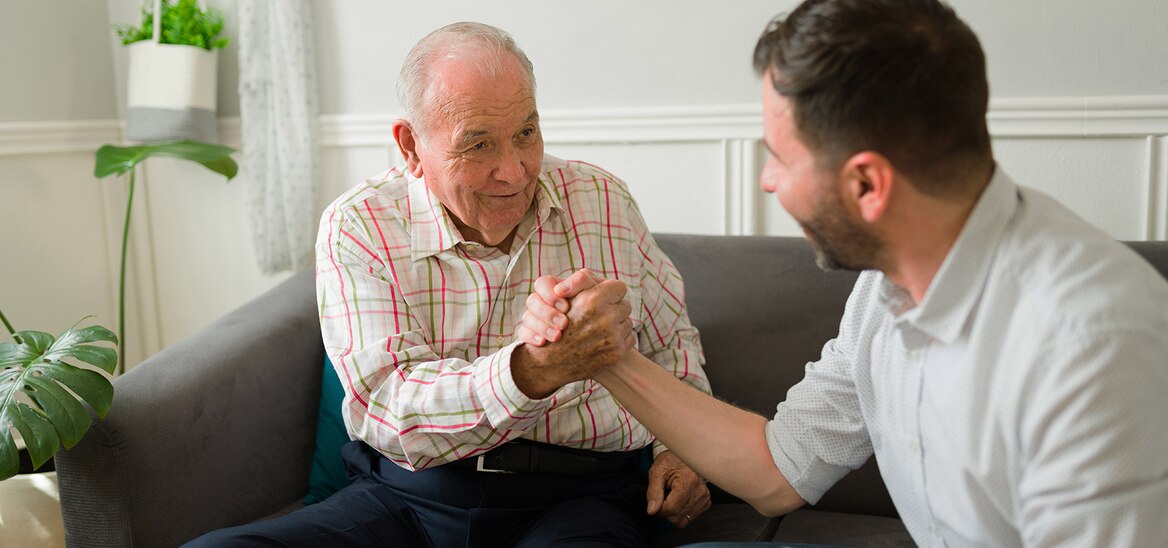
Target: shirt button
x,y
915,447
933,528
500,340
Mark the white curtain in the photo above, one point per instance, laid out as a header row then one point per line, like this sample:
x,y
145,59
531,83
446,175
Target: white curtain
x,y
278,117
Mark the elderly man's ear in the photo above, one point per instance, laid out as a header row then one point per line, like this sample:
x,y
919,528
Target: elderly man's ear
x,y
407,143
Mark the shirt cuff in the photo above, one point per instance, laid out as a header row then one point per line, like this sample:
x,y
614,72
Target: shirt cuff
x,y
504,404
810,476
658,448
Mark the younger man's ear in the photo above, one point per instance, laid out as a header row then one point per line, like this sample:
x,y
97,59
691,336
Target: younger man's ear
x,y
868,180
408,143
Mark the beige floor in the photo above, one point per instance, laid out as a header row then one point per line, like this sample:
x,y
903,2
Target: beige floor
x,y
30,512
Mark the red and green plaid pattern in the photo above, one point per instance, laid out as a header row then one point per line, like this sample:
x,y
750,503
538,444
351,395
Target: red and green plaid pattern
x,y
420,323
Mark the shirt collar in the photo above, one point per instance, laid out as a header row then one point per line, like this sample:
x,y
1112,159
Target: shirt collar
x,y
432,227
958,285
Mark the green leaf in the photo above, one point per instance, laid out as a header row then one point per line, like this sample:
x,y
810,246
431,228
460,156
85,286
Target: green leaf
x,y
95,389
104,358
14,354
35,342
40,438
65,413
181,22
9,456
116,160
93,333
35,367
70,344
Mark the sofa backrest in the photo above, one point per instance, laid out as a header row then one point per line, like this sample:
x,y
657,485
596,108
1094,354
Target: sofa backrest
x,y
1156,253
764,311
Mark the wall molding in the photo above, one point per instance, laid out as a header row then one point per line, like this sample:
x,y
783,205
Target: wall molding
x,y
1117,116
55,137
1157,171
1111,116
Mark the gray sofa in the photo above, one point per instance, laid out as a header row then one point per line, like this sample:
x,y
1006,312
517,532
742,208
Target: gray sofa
x,y
218,429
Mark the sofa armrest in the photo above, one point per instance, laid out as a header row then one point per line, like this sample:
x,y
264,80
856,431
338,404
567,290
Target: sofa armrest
x,y
213,431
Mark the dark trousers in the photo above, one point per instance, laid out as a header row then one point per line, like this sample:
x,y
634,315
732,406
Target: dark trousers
x,y
451,506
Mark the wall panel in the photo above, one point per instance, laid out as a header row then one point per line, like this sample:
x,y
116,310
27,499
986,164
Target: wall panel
x,y
1101,179
57,262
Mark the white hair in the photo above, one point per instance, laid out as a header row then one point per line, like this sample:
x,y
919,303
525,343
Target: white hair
x,y
414,79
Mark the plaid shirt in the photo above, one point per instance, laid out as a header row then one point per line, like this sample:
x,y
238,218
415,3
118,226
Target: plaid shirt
x,y
420,322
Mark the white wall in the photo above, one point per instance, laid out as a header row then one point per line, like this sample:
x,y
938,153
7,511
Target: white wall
x,y
661,92
54,62
56,88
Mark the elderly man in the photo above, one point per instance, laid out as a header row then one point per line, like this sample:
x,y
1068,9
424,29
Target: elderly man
x,y
1004,360
463,436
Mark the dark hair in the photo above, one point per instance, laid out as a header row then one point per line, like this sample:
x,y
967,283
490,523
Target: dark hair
x,y
905,78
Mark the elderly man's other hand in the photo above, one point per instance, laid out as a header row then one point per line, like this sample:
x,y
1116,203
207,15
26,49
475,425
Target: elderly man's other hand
x,y
688,495
597,333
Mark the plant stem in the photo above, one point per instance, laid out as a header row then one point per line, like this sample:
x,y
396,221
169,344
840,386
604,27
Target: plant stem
x,y
7,325
122,279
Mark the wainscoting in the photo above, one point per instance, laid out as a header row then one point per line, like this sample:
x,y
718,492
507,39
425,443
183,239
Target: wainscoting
x,y
693,170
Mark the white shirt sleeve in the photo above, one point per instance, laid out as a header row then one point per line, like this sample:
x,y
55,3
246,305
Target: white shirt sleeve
x,y
1095,442
818,434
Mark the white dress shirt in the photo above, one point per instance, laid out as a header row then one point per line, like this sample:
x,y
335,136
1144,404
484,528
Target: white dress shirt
x,y
1023,402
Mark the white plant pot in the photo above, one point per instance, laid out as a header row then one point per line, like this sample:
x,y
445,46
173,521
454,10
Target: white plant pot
x,y
171,93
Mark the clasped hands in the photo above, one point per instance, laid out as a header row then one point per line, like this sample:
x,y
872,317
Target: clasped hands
x,y
580,326
573,329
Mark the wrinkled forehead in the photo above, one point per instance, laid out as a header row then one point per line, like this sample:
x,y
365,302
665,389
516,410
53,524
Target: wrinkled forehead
x,y
463,59
459,86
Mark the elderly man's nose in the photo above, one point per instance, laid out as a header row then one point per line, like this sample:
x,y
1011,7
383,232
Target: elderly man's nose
x,y
510,167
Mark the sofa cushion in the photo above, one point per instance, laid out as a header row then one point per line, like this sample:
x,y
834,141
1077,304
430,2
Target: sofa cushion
x,y
836,528
731,522
327,475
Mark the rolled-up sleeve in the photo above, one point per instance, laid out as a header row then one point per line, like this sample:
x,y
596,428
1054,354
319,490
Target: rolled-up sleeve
x,y
818,433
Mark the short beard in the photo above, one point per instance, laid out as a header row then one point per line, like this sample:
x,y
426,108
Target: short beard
x,y
840,243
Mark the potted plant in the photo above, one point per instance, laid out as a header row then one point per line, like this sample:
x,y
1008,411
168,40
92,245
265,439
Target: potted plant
x,y
40,397
119,160
36,368
171,91
35,371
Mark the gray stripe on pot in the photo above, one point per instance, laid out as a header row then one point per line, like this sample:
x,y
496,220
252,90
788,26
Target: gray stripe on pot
x,y
149,125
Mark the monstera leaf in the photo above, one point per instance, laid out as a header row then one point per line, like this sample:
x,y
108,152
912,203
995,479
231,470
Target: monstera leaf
x,y
36,366
116,160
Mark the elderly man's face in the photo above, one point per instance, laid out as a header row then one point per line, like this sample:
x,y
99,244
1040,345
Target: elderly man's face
x,y
482,149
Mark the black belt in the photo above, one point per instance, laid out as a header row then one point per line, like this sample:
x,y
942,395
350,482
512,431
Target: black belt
x,y
523,456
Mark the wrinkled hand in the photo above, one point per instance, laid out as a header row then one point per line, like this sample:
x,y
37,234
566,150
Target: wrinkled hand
x,y
688,496
547,308
597,333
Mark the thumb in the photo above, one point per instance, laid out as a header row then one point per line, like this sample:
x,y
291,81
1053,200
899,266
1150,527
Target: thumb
x,y
571,286
655,492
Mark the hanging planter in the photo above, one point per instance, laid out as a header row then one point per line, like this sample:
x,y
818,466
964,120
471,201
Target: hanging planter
x,y
171,91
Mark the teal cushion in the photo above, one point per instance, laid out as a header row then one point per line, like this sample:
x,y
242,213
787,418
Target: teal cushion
x,y
328,469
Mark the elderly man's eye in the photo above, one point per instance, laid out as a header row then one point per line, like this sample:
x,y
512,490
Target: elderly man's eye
x,y
528,132
479,145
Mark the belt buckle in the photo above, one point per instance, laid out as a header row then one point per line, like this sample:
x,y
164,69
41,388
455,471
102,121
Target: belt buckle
x,y
480,466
